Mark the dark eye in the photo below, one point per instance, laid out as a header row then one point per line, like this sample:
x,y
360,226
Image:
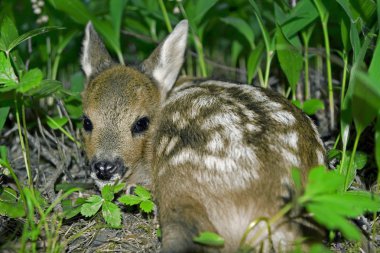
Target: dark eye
x,y
87,124
140,126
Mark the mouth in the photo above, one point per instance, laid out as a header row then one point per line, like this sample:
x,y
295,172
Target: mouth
x,y
101,183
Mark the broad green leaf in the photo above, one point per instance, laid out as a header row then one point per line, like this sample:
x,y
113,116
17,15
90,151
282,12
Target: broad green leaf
x,y
365,100
345,33
331,220
374,70
30,80
111,214
266,37
297,103
119,187
56,123
377,146
31,34
74,8
320,181
71,210
10,205
7,74
142,192
287,53
116,13
355,41
4,111
312,106
236,50
196,9
359,9
8,32
302,15
319,248
209,239
130,200
107,192
45,89
243,27
92,206
147,206
254,60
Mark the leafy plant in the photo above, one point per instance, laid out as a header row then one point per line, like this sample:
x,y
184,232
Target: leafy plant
x,y
142,198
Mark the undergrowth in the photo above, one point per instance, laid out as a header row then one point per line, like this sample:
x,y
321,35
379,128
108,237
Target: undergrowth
x,y
324,55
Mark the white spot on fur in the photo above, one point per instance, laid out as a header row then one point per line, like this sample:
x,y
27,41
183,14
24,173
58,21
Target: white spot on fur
x,y
291,157
184,156
291,139
86,64
171,145
252,127
273,105
321,157
283,117
216,143
179,121
162,145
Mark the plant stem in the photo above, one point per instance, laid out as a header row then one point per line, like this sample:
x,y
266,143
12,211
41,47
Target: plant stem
x,y
267,68
351,159
24,142
329,74
306,60
197,42
344,78
165,14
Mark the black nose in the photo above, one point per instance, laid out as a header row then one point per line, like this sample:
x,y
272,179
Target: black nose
x,y
104,170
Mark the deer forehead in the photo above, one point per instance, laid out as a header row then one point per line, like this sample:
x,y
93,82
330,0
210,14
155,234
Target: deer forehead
x,y
120,92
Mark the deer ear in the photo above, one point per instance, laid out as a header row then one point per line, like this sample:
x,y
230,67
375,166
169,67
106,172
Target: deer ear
x,y
166,61
95,57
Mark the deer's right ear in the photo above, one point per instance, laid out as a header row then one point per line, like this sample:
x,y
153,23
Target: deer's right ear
x,y
95,57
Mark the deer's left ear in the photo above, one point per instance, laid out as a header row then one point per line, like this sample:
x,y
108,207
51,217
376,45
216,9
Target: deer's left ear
x,y
166,60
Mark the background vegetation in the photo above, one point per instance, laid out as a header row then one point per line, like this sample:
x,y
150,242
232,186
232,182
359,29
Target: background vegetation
x,y
324,55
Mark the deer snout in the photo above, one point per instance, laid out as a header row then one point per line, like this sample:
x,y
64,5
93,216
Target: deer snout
x,y
105,169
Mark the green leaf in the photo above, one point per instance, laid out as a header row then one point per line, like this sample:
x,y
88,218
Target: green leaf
x,y
377,146
142,192
360,160
92,206
130,200
31,34
243,27
4,111
7,74
345,33
296,176
373,70
30,80
56,123
331,220
107,192
209,239
254,60
147,206
287,53
365,100
118,187
8,32
111,214
236,50
355,41
312,106
116,13
297,103
301,16
70,210
10,205
196,9
45,89
266,37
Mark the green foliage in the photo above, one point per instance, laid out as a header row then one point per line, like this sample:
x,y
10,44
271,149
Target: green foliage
x,y
209,239
331,206
142,198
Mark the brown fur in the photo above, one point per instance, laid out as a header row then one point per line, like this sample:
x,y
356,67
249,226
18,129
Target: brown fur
x,y
216,155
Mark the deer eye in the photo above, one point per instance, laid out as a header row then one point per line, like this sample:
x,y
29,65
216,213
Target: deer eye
x,y
87,124
140,126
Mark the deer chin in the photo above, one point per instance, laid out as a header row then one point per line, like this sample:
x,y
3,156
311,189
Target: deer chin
x,y
101,183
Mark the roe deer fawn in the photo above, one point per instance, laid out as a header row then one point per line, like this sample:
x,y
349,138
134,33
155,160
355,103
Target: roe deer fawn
x,y
216,155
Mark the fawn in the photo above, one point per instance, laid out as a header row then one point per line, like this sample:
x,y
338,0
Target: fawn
x,y
216,155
